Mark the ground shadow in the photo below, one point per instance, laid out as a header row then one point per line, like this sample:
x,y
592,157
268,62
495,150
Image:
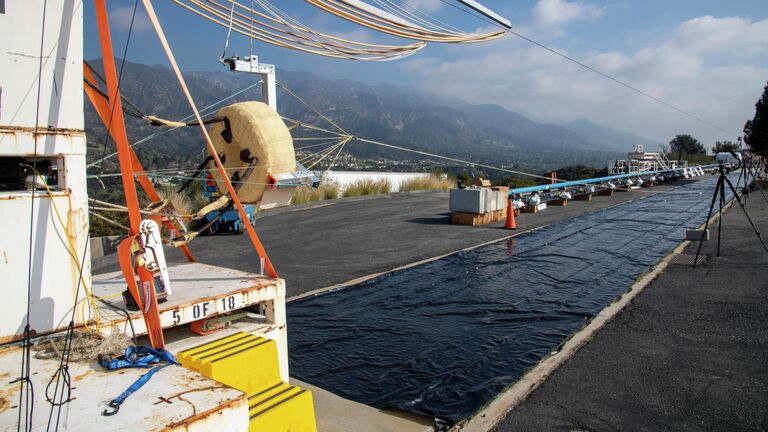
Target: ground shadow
x,y
442,219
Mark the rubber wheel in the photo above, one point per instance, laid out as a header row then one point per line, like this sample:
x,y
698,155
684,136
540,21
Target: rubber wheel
x,y
240,228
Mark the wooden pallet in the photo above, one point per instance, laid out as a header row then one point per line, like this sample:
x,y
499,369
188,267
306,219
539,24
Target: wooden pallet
x,y
558,202
460,218
533,209
583,197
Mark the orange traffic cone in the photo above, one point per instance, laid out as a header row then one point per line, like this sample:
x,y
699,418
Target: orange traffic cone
x,y
510,223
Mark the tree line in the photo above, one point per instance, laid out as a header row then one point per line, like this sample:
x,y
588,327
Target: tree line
x,y
685,146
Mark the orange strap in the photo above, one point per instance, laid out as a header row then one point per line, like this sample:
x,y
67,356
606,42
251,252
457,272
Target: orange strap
x,y
151,316
251,233
145,298
101,105
117,121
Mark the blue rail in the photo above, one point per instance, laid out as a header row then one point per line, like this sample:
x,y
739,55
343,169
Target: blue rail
x,y
563,185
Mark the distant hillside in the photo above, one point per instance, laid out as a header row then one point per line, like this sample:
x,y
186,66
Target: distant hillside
x,y
385,112
609,138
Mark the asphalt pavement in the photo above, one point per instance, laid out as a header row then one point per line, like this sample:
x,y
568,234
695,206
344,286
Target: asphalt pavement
x,y
321,244
689,353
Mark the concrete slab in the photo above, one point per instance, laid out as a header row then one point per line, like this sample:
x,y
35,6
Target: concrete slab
x,y
336,414
688,353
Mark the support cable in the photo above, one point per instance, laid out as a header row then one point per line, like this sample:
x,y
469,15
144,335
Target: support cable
x,y
203,111
243,215
61,376
593,70
27,391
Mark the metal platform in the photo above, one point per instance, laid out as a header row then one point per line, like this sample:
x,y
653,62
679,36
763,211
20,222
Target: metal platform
x,y
175,399
201,291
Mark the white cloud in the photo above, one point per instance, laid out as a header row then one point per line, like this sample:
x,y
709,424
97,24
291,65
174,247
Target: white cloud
x,y
708,66
561,12
708,34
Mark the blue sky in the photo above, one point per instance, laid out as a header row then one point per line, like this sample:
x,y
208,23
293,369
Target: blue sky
x,y
704,56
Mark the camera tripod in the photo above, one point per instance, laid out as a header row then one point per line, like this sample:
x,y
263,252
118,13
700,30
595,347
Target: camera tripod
x,y
720,193
749,172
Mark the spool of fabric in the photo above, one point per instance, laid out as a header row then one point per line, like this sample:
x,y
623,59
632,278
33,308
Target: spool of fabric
x,y
255,130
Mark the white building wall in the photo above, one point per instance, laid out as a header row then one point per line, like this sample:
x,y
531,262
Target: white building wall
x,y
61,92
346,178
52,275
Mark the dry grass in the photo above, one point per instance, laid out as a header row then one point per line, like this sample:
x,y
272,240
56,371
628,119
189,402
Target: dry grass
x,y
326,191
186,203
431,182
367,187
330,190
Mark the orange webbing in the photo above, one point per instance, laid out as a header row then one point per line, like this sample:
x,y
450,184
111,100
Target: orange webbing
x,y
118,122
102,108
251,233
149,311
151,317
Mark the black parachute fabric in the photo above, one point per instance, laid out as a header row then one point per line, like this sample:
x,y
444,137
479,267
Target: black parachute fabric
x,y
443,338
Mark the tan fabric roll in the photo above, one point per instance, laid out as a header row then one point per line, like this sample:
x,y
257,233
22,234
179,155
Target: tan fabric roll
x,y
259,129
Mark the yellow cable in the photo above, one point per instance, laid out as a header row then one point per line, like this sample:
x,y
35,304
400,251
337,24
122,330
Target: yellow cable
x,y
74,256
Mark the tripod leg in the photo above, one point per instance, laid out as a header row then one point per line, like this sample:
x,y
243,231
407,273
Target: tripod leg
x,y
706,223
757,185
721,191
736,195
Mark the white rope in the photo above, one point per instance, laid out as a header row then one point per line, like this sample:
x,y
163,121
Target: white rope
x,y
294,36
229,33
396,24
203,111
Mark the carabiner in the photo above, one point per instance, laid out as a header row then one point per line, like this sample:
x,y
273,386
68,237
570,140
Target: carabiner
x,y
115,405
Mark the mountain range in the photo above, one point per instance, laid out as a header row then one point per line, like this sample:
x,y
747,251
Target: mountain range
x,y
399,115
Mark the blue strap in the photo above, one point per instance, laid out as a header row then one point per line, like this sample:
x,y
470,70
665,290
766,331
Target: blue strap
x,y
137,357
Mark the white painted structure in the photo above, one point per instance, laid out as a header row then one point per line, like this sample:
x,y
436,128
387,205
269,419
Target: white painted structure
x,y
250,64
57,116
346,178
640,161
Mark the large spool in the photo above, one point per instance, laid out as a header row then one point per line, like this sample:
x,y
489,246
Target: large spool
x,y
256,131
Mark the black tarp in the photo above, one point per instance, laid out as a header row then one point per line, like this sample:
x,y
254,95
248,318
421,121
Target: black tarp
x,y
441,339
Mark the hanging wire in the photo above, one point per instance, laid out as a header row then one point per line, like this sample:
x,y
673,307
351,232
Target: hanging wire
x,y
591,69
61,380
229,33
422,17
395,22
274,27
313,109
203,111
27,391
